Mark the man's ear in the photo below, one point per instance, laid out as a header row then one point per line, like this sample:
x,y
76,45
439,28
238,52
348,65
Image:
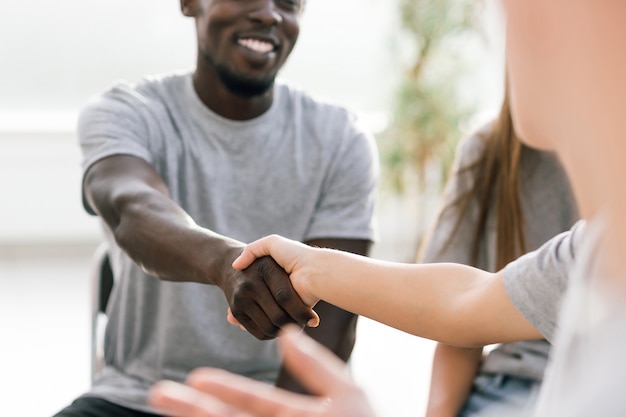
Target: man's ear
x,y
189,8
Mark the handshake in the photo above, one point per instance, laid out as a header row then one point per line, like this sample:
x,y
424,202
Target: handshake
x,y
288,278
269,287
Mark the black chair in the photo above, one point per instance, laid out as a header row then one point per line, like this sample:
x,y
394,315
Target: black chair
x,y
101,285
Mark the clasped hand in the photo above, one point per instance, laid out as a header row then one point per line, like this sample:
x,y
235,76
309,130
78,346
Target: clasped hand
x,y
290,256
261,297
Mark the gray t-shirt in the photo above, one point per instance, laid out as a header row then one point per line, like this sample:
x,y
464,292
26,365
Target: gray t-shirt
x,y
537,281
304,169
587,373
562,291
548,208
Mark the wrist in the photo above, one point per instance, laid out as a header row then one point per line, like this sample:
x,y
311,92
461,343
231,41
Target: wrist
x,y
219,257
318,274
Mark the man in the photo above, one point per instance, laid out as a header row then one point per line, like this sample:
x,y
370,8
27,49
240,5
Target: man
x,y
185,168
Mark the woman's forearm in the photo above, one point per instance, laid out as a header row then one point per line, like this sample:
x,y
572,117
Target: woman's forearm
x,y
451,303
453,373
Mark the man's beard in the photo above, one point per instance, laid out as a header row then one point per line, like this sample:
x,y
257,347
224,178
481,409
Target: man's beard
x,y
241,85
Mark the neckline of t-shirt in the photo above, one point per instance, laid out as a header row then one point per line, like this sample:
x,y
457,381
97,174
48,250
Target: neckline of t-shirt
x,y
205,113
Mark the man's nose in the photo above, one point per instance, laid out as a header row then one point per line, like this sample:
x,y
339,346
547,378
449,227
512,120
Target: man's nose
x,y
265,12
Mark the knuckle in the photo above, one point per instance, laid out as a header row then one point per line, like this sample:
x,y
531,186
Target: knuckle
x,y
246,288
283,296
281,319
241,316
271,333
241,305
265,266
258,334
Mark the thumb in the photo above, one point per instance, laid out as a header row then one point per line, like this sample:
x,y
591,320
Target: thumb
x,y
253,251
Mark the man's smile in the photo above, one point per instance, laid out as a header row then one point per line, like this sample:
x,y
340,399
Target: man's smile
x,y
257,45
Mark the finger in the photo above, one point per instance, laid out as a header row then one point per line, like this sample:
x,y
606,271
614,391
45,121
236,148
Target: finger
x,y
232,320
317,368
172,398
253,305
315,321
257,398
253,251
256,322
285,305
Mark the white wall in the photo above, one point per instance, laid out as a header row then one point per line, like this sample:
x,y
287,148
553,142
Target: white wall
x,y
56,54
40,183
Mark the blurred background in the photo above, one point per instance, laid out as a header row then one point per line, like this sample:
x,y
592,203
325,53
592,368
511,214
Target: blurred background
x,y
420,73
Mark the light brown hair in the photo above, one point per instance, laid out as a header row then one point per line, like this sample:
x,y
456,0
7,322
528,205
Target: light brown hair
x,y
495,186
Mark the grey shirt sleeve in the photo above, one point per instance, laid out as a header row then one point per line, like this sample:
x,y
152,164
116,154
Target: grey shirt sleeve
x,y
110,124
536,282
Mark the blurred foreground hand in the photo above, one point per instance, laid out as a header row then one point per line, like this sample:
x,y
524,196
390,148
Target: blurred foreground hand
x,y
212,392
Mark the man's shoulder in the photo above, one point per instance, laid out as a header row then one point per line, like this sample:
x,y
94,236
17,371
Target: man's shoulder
x,y
297,97
147,88
149,92
322,118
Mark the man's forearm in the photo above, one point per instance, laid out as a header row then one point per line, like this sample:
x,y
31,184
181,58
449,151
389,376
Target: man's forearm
x,y
165,241
176,250
132,199
161,237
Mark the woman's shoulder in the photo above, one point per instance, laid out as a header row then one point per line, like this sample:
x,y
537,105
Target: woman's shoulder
x,y
471,147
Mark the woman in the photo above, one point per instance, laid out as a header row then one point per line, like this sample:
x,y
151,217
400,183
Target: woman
x,y
504,199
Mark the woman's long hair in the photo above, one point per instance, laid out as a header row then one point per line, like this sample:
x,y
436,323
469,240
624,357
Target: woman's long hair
x,y
496,185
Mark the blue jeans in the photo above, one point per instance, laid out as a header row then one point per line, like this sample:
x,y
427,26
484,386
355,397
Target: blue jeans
x,y
502,396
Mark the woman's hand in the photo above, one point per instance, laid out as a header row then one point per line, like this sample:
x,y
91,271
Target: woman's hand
x,y
218,393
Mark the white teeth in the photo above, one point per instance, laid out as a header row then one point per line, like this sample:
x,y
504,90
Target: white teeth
x,y
257,45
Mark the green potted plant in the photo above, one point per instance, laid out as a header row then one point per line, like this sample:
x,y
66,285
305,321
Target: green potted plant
x,y
428,114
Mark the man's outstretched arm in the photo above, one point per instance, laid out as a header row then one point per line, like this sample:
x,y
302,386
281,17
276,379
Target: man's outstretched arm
x,y
166,242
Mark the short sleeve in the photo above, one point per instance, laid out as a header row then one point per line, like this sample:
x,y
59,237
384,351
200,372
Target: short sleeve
x,y
536,282
112,124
